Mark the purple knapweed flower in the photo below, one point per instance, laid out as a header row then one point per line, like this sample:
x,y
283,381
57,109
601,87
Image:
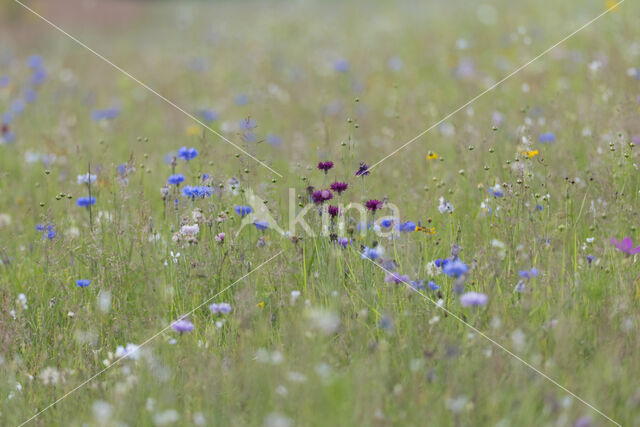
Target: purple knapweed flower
x,y
373,205
321,196
339,187
363,170
325,166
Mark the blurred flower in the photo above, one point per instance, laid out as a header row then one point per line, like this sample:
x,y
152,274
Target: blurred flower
x,y
626,246
182,326
86,201
496,191
396,278
473,299
209,115
86,178
243,210
433,286
48,231
220,308
528,274
445,206
190,230
341,65
431,155
220,237
547,137
372,253
530,153
455,268
407,226
343,242
106,114
261,225
333,211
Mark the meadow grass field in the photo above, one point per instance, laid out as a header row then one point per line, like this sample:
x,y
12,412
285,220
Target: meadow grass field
x,y
304,214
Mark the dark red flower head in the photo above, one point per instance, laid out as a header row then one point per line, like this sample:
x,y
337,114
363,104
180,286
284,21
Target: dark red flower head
x,y
321,196
339,187
333,211
363,170
325,166
374,205
5,128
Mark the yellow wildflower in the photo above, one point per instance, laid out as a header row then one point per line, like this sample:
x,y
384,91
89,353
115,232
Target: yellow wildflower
x,y
193,130
611,4
431,155
426,230
530,153
260,304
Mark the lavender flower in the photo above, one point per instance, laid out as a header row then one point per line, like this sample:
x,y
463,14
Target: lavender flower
x,y
221,308
473,299
626,246
182,326
455,268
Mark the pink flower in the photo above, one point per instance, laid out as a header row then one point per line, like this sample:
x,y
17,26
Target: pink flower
x,y
626,246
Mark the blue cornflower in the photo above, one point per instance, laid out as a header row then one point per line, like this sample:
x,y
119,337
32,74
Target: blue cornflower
x,y
455,268
187,154
209,115
539,207
197,192
547,137
441,262
242,99
496,191
17,106
48,231
372,253
106,114
272,139
432,285
243,210
247,124
261,225
86,201
591,258
418,285
83,283
341,65
528,274
30,95
407,226
38,76
34,61
386,223
176,179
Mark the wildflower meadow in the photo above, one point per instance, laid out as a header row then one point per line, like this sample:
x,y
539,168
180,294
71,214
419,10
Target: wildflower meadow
x,y
357,213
